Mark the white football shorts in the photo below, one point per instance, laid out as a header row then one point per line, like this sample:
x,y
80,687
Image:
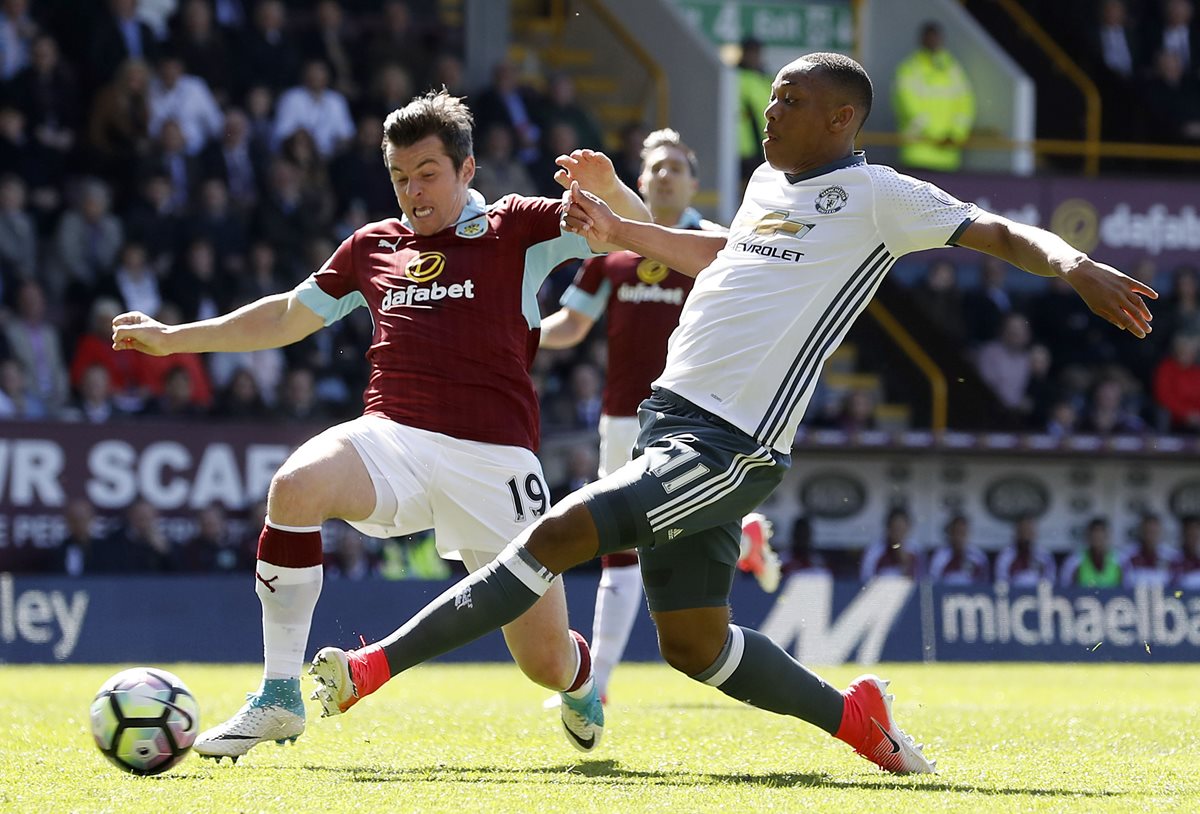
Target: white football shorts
x,y
475,496
618,434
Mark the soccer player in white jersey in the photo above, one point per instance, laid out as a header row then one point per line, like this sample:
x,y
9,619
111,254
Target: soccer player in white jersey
x,y
450,424
816,232
641,300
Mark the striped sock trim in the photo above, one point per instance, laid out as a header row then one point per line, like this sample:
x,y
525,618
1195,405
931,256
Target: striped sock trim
x,y
533,575
729,660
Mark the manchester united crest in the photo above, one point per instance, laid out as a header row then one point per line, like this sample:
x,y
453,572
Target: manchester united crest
x,y
831,200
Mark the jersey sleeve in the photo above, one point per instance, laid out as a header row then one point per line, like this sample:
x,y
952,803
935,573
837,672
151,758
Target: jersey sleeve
x,y
588,293
914,215
539,218
332,291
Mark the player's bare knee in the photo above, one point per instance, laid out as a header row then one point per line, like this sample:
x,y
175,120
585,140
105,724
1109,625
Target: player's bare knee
x,y
689,653
294,497
562,540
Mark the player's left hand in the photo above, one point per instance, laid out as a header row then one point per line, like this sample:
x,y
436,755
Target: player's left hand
x,y
593,170
1115,296
588,216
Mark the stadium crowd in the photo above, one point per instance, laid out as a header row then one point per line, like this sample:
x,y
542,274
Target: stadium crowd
x,y
182,158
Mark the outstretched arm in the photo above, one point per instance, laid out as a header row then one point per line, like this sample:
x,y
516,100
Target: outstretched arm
x,y
1110,294
565,328
595,173
270,322
684,250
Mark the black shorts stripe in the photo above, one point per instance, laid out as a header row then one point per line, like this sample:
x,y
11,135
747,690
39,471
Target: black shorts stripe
x,y
813,369
861,271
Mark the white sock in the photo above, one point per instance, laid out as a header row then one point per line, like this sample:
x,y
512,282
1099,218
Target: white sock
x,y
617,601
288,597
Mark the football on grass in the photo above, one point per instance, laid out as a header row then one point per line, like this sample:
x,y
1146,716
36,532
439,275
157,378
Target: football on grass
x,y
145,720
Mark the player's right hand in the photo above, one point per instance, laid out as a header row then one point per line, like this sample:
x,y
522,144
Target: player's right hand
x,y
134,330
588,216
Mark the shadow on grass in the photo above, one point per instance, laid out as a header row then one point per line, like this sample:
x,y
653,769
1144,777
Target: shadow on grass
x,y
611,772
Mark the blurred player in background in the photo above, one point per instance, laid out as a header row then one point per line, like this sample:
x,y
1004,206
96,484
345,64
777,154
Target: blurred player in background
x,y
817,231
642,299
448,435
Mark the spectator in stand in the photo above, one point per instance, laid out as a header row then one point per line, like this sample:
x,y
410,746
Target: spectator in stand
x,y
957,562
1177,384
628,159
298,398
987,306
186,100
93,403
391,89
118,129
1096,565
581,462
857,413
514,105
241,400
892,556
23,155
17,400
1181,312
350,558
398,37
934,104
498,172
1023,564
215,222
154,370
754,85
301,152
155,221
560,106
1176,36
448,71
212,549
286,218
267,55
204,47
176,399
355,173
1115,42
47,94
260,117
1109,412
76,551
86,241
197,286
17,33
1173,93
560,139
237,160
1149,562
18,234
95,348
1005,363
168,157
800,557
134,282
336,44
1041,390
1187,569
120,36
136,546
261,276
1063,421
317,108
33,342
941,300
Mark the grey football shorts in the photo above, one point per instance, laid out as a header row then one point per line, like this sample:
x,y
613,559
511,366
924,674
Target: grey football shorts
x,y
681,500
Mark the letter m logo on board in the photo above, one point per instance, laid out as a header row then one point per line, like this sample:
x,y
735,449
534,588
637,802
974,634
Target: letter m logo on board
x,y
803,615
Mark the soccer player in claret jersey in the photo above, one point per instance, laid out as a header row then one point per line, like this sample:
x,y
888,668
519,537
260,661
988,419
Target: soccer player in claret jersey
x,y
642,300
448,435
816,232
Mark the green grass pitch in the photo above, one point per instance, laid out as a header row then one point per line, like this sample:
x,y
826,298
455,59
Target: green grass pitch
x,y
1083,738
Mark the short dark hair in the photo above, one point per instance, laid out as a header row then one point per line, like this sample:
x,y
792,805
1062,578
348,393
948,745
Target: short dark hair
x,y
670,138
849,77
435,113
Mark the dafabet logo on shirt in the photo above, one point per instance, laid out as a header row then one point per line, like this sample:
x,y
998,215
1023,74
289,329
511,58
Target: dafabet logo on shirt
x,y
424,268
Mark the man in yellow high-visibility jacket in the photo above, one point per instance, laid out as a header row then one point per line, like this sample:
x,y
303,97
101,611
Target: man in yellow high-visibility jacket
x,y
934,104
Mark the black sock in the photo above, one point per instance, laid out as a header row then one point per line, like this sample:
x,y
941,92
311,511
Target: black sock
x,y
482,602
755,670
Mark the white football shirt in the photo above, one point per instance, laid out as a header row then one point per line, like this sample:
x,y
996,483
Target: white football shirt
x,y
805,254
